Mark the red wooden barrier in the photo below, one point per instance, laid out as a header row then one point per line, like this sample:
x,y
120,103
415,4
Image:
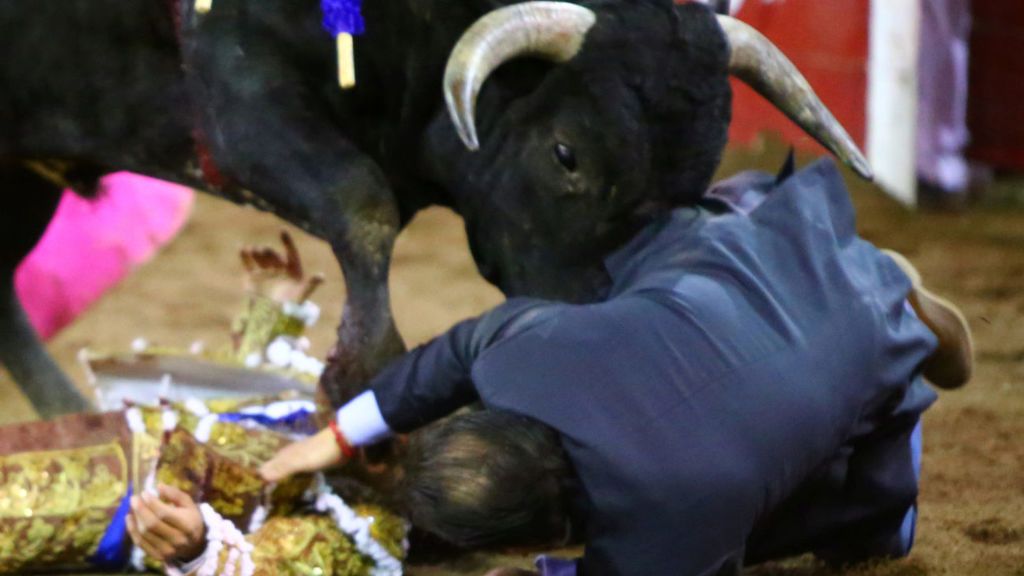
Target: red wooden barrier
x,y
828,41
996,102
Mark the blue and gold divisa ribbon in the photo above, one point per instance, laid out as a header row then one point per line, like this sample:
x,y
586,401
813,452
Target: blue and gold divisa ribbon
x,y
344,19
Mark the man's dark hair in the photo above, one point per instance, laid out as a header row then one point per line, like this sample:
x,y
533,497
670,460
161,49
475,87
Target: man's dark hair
x,y
488,478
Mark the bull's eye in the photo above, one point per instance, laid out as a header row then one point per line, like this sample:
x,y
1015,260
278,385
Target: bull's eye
x,y
566,157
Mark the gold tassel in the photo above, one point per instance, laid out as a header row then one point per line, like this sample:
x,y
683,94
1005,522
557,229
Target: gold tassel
x,y
346,62
203,6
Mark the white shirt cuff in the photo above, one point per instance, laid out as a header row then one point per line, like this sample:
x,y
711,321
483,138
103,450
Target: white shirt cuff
x,y
361,421
191,566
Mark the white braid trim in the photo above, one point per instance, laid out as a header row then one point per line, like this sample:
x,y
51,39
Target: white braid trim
x,y
220,534
307,312
259,518
133,417
169,419
149,484
205,427
166,384
138,559
284,352
358,528
196,407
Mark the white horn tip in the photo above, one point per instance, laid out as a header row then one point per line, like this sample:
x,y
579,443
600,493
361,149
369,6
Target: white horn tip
x,y
469,138
862,168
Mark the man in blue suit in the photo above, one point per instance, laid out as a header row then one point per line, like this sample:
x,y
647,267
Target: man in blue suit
x,y
751,388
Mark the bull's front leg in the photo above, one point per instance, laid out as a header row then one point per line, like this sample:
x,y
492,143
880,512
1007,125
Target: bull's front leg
x,y
346,200
360,220
349,204
268,114
362,234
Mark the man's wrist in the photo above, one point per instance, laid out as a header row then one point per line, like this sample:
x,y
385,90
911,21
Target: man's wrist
x,y
347,451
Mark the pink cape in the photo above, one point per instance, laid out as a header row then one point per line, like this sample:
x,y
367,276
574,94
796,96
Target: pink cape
x,y
90,246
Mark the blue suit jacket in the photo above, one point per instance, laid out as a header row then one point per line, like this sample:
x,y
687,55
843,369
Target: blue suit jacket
x,y
736,355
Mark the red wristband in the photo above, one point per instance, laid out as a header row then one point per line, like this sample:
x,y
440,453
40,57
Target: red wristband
x,y
346,449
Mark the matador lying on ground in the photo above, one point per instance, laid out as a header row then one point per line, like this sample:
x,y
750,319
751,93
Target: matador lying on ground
x,y
750,389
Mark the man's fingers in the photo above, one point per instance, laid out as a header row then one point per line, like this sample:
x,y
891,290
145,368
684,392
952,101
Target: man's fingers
x,y
247,260
289,461
275,469
311,285
315,453
270,259
157,548
149,520
130,524
173,514
151,547
292,259
175,496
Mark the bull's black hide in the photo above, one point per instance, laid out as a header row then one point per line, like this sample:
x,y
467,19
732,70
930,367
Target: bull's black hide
x,y
574,157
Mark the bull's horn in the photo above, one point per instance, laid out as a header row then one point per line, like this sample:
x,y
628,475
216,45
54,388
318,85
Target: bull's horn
x,y
761,65
552,30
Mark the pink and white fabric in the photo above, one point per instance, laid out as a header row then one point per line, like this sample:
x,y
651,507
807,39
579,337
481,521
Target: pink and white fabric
x,y
90,245
942,134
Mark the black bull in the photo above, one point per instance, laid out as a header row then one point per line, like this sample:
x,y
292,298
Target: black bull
x,y
621,114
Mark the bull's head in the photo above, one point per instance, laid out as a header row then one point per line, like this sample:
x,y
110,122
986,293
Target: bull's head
x,y
565,160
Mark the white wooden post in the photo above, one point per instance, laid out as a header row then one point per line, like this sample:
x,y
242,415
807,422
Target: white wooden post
x,y
892,96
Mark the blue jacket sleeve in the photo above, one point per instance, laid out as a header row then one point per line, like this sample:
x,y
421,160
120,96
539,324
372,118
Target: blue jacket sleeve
x,y
433,380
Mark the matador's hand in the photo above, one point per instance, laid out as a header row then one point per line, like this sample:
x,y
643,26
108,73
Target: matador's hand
x,y
168,528
310,455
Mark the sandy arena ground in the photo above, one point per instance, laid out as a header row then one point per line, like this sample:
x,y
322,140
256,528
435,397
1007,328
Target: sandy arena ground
x,y
972,492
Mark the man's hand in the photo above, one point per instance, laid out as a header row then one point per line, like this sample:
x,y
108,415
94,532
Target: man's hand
x,y
168,528
276,276
310,455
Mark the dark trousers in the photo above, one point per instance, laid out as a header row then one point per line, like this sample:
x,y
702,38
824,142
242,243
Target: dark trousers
x,y
861,504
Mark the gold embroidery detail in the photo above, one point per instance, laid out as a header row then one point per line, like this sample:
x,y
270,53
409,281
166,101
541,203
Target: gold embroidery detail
x,y
386,528
56,505
262,320
233,490
247,447
145,454
61,482
305,546
63,542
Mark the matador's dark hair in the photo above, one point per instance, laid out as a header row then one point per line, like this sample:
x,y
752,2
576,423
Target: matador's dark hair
x,y
488,478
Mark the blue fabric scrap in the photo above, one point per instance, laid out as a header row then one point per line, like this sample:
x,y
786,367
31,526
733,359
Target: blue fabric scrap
x,y
301,422
113,552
